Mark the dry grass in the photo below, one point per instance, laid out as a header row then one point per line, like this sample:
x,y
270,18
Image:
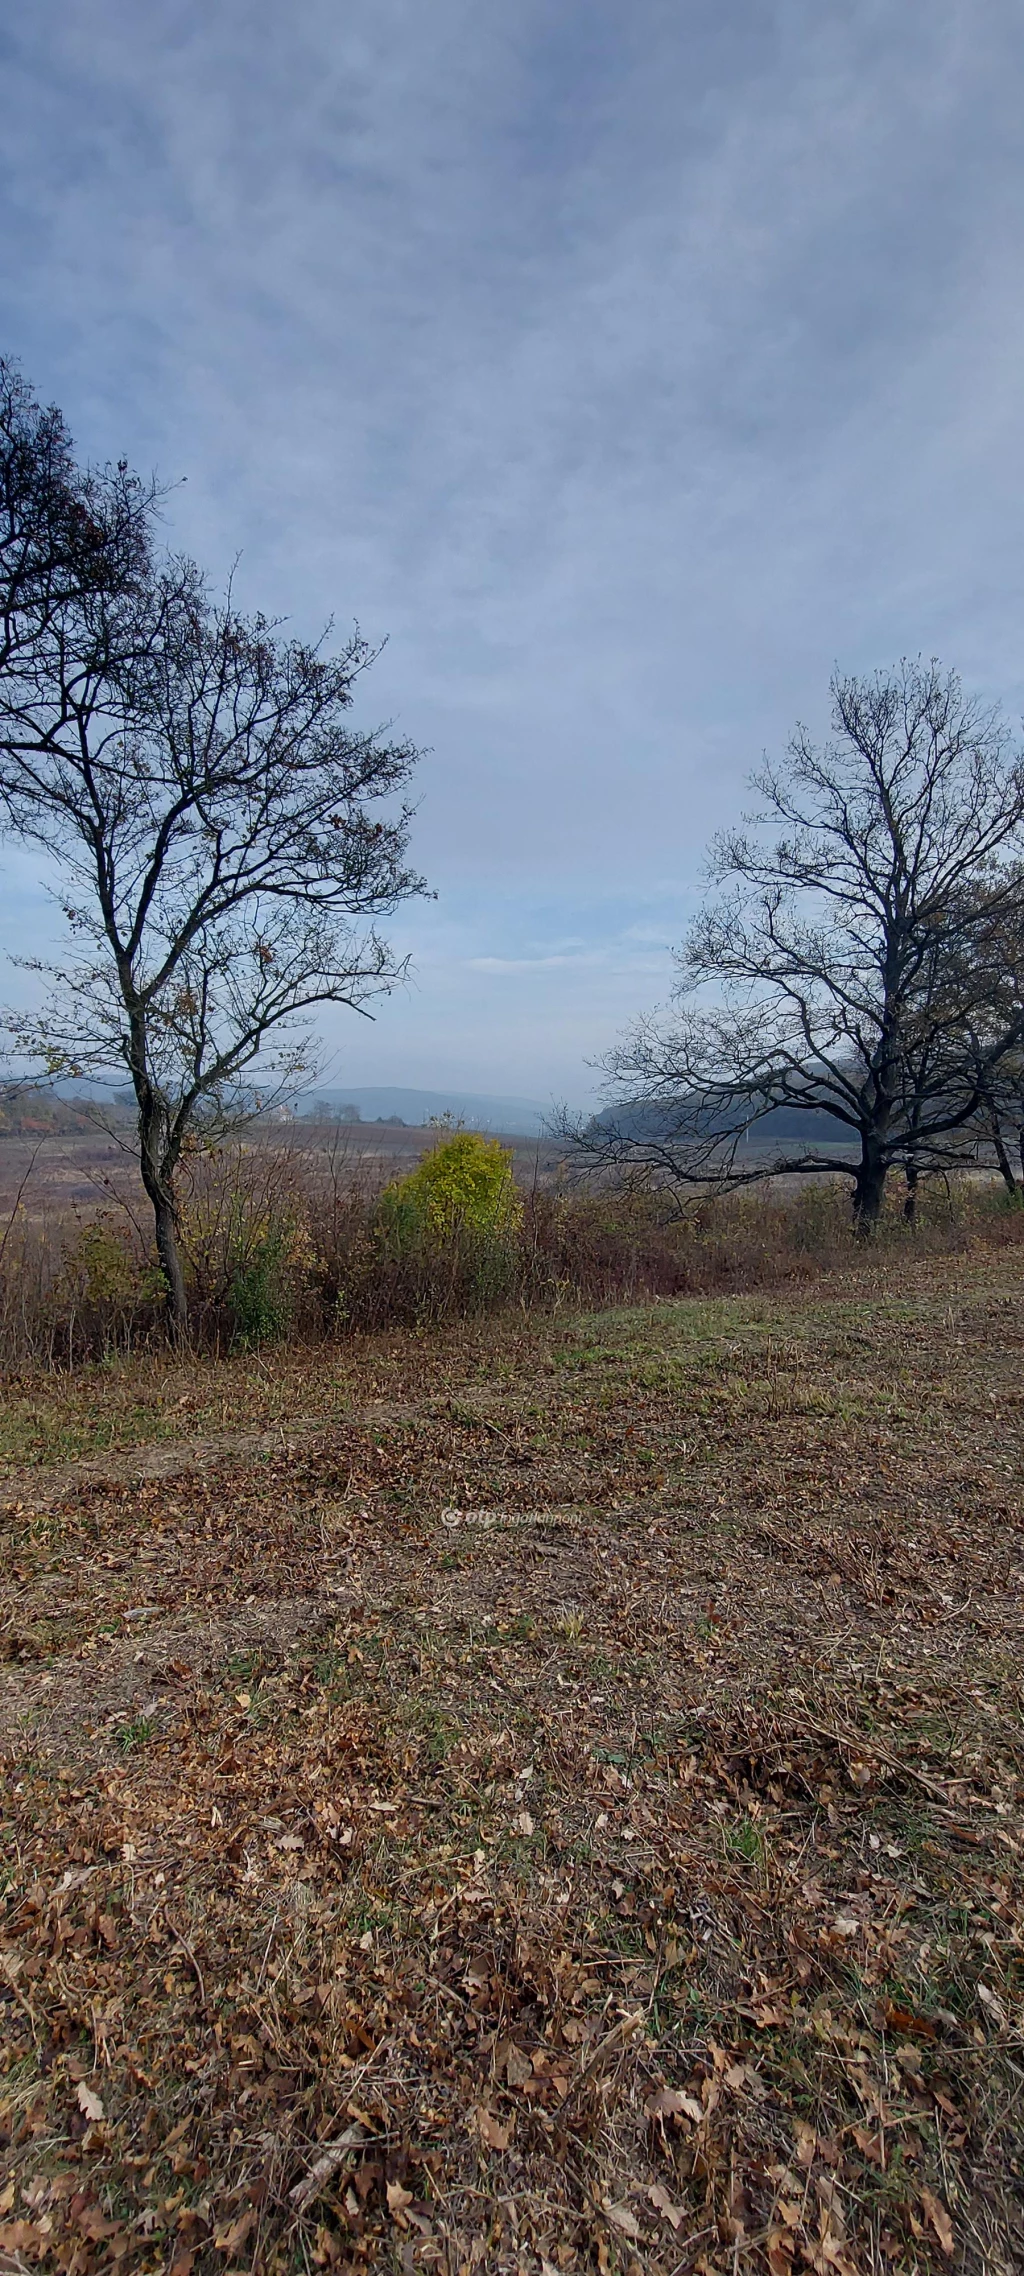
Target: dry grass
x,y
559,1808
287,1242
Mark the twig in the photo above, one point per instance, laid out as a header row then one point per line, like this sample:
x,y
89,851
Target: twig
x,y
33,1158
866,1745
625,2029
331,2157
189,1954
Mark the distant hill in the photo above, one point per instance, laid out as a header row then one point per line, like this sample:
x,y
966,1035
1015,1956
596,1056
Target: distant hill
x,y
519,1117
638,1120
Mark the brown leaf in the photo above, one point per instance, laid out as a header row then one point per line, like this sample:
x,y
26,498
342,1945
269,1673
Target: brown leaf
x,y
623,2219
232,2239
806,2141
939,2219
93,2223
781,2247
904,2019
517,2066
662,2202
671,2102
493,2134
19,2236
398,2199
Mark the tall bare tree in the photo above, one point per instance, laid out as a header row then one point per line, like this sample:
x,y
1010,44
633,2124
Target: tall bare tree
x,y
838,972
225,842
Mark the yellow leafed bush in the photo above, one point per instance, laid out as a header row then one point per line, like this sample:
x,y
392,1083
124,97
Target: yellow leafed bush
x,y
464,1182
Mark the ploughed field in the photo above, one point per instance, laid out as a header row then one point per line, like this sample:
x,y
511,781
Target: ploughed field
x,y
545,1796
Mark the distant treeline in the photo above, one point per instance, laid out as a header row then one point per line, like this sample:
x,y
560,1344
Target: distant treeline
x,y
641,1121
39,1113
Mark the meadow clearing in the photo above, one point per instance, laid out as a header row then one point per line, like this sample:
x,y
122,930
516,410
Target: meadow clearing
x,y
541,1794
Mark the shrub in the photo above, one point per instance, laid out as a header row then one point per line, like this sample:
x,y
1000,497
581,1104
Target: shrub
x,y
107,1286
259,1297
465,1181
245,1237
300,1241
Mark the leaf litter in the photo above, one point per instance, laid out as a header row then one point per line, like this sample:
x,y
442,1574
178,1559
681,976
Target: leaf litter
x,y
570,1822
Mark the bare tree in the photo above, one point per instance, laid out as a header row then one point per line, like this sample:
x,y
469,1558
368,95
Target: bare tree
x,y
225,843
65,531
838,974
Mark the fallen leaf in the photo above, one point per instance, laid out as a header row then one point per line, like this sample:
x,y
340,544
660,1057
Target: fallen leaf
x,y
671,2102
993,2006
623,2219
904,2019
524,1823
398,2199
781,2247
93,2223
18,2236
662,2202
232,2239
806,2141
7,2197
517,2066
492,2133
89,2103
939,2219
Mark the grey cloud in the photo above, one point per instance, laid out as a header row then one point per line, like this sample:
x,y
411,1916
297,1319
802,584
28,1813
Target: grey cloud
x,y
630,367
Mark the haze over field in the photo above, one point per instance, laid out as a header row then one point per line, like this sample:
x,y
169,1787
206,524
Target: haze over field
x,y
627,370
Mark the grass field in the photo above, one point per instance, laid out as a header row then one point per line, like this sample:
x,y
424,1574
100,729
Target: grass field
x,y
543,1796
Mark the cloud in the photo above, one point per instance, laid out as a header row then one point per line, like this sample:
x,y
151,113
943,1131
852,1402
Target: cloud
x,y
629,367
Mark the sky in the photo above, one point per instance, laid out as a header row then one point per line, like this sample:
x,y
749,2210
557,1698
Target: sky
x,y
627,368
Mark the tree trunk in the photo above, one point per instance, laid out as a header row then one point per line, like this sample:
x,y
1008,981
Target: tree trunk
x,y
1002,1157
169,1253
911,1174
868,1190
157,1160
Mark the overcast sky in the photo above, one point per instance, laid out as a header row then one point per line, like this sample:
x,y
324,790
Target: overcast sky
x,y
629,366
